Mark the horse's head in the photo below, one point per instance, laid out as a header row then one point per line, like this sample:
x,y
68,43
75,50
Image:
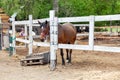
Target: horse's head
x,y
44,27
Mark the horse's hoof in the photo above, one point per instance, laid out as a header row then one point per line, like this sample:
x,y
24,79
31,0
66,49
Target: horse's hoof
x,y
67,61
63,64
70,64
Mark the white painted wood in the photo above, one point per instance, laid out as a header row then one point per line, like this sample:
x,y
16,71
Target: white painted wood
x,y
13,35
74,19
86,47
81,25
107,49
22,40
41,44
25,27
52,40
80,34
71,46
91,32
52,53
27,21
56,33
34,43
36,24
1,39
107,17
30,35
21,22
86,18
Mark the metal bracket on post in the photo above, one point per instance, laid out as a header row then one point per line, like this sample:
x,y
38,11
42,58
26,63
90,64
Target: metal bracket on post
x,y
91,32
53,40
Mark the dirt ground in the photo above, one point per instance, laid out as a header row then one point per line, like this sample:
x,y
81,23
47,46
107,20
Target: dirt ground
x,y
86,65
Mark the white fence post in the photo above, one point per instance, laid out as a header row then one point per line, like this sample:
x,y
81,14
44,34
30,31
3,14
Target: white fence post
x,y
0,34
26,33
30,35
13,35
91,32
56,33
53,39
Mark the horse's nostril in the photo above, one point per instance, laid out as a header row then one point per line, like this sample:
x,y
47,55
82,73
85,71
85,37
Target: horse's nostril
x,y
42,40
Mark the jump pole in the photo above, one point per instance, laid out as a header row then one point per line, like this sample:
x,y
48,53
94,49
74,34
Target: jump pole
x,y
53,39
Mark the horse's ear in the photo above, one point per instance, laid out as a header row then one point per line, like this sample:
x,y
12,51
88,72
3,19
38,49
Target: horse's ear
x,y
39,22
46,22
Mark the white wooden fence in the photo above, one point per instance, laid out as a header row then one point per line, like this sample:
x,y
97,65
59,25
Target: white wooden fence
x,y
53,34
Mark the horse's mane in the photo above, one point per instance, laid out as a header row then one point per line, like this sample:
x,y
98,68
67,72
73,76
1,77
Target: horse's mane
x,y
59,25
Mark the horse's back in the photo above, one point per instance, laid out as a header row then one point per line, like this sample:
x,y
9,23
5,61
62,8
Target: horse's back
x,y
69,33
69,26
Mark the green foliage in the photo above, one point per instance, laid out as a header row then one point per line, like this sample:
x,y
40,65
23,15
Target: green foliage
x,y
40,8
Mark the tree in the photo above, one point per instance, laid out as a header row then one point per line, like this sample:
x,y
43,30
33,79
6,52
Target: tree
x,y
55,6
65,8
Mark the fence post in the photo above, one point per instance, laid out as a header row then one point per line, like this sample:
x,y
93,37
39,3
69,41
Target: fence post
x,y
91,32
13,37
53,39
30,35
26,33
56,33
0,34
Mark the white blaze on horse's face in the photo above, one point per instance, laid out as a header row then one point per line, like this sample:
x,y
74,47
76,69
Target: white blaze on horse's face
x,y
42,27
42,35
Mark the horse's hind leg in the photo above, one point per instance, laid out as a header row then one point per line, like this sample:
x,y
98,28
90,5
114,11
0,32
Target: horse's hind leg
x,y
67,57
62,55
70,55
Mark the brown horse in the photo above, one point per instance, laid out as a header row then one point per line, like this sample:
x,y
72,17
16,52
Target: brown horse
x,y
66,35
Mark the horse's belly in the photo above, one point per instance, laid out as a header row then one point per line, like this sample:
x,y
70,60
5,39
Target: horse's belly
x,y
67,38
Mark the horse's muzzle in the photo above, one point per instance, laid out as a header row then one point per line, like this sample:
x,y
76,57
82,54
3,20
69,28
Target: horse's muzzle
x,y
42,37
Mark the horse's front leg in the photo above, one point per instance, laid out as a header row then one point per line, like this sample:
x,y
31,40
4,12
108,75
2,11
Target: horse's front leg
x,y
62,56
